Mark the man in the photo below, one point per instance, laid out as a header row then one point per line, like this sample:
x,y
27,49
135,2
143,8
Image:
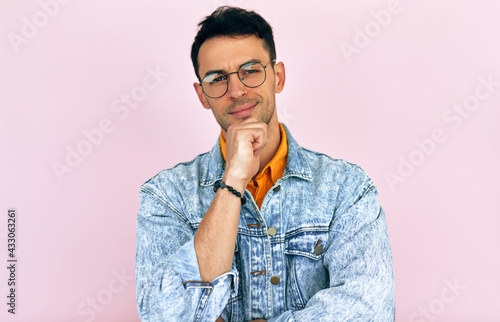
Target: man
x,y
258,228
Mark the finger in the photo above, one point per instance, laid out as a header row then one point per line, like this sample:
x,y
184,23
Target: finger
x,y
249,123
251,119
259,141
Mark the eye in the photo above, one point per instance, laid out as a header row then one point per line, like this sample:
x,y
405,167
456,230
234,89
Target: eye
x,y
213,79
218,79
251,69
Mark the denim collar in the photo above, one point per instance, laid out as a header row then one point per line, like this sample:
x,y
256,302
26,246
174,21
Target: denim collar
x,y
296,163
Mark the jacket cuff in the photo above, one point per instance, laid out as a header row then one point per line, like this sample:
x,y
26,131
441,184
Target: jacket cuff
x,y
185,264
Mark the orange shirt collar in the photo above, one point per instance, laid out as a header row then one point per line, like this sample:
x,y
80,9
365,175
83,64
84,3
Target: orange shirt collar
x,y
278,162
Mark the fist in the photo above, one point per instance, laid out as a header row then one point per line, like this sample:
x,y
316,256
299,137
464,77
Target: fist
x,y
244,142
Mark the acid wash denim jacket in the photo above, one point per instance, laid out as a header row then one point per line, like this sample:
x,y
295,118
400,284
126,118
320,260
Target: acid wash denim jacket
x,y
329,260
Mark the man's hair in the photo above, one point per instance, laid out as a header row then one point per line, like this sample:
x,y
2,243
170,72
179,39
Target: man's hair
x,y
232,21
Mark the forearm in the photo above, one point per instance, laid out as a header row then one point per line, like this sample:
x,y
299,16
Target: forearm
x,y
168,283
215,238
169,294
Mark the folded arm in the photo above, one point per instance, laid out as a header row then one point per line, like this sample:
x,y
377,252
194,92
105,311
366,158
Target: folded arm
x,y
359,263
169,286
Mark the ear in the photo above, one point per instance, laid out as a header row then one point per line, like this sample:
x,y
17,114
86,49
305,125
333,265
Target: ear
x,y
279,77
201,96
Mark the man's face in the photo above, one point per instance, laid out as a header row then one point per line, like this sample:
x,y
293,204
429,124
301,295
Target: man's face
x,y
227,54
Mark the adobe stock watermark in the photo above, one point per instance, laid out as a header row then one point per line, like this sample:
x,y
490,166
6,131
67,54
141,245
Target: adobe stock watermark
x,y
455,116
364,36
449,294
284,115
95,304
121,107
40,19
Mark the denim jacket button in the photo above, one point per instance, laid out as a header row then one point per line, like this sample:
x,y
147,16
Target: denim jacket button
x,y
318,249
271,231
275,280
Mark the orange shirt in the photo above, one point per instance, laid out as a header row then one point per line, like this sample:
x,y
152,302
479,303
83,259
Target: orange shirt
x,y
266,178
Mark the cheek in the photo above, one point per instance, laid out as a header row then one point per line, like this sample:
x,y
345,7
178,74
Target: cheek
x,y
219,106
264,91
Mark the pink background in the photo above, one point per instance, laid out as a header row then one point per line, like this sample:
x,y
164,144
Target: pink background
x,y
76,233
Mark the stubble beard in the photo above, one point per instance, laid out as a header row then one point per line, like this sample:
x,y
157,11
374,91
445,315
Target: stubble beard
x,y
265,115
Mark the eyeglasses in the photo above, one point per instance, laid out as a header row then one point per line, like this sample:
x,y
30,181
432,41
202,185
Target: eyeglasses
x,y
252,74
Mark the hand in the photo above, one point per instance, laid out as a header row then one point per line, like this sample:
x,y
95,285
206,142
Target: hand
x,y
244,142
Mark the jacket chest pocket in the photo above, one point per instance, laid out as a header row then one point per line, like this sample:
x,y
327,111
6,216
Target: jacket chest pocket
x,y
305,272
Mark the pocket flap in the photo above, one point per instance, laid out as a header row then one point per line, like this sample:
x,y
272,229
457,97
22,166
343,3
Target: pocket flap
x,y
311,244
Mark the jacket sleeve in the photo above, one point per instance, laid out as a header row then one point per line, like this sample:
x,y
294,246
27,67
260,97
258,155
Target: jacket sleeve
x,y
359,263
168,282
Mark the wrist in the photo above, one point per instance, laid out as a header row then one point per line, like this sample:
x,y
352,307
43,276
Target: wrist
x,y
235,182
222,185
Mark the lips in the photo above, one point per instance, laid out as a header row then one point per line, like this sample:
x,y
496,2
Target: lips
x,y
243,110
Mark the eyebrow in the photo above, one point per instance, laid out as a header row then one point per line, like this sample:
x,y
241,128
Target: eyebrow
x,y
221,71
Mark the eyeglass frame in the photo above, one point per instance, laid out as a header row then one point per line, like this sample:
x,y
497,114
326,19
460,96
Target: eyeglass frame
x,y
238,72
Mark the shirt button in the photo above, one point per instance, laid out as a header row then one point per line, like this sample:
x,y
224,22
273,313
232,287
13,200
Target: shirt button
x,y
277,188
271,231
318,249
275,280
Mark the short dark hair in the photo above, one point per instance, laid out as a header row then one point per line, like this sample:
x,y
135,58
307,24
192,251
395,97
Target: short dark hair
x,y
232,21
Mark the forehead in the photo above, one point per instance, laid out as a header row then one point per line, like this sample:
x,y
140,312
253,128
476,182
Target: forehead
x,y
228,53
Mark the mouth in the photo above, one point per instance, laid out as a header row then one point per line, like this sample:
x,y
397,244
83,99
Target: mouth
x,y
243,110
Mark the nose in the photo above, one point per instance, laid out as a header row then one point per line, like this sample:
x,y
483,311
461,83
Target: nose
x,y
235,89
